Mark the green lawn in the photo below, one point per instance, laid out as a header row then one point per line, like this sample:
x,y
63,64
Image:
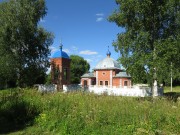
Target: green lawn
x,y
29,112
174,89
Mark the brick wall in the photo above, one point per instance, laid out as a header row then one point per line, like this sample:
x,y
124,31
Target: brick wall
x,y
104,75
120,82
60,67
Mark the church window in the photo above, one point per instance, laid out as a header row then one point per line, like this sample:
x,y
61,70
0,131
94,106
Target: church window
x,y
65,73
93,82
101,82
106,83
56,72
125,83
85,82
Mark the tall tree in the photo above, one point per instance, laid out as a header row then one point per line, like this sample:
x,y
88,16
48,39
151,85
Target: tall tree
x,y
151,41
79,66
24,45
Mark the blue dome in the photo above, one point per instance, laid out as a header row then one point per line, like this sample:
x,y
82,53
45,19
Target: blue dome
x,y
60,54
108,53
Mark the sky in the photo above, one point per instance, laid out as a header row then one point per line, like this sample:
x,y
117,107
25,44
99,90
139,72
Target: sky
x,y
82,27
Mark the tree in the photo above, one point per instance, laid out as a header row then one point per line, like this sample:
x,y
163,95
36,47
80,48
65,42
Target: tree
x,y
79,66
150,42
24,45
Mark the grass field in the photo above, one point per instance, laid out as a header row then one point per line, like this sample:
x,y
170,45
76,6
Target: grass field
x,y
29,112
174,89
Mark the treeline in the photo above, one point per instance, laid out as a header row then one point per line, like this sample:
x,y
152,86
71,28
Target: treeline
x,y
24,44
150,45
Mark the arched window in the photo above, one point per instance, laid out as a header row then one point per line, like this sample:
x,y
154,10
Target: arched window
x,y
125,83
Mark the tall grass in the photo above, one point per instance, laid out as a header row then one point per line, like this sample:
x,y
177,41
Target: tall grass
x,y
85,113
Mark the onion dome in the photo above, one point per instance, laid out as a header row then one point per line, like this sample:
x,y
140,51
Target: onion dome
x,y
60,54
108,52
107,63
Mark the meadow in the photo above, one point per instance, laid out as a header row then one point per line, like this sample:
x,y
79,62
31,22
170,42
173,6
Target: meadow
x,y
26,111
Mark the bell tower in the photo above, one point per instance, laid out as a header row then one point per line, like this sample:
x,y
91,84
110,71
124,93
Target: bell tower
x,y
60,68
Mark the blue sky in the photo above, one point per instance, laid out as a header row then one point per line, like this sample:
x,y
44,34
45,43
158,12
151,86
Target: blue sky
x,y
83,27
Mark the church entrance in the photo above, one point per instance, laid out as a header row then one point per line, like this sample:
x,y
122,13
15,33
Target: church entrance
x,y
85,83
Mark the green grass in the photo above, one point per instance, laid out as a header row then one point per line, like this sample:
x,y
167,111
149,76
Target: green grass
x,y
83,113
174,89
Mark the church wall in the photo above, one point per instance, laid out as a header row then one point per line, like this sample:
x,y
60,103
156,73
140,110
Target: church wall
x,y
116,71
116,82
55,63
63,65
120,82
85,82
88,81
104,75
66,68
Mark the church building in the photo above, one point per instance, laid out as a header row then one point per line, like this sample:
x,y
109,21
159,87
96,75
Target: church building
x,y
107,73
60,69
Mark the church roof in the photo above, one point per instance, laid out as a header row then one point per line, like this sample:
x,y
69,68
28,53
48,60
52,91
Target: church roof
x,y
123,74
107,63
60,54
88,75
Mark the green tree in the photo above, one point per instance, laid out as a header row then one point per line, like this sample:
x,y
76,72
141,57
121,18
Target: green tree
x,y
48,78
24,45
79,66
150,42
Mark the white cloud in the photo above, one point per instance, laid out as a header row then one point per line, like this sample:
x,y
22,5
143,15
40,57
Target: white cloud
x,y
87,52
99,14
99,19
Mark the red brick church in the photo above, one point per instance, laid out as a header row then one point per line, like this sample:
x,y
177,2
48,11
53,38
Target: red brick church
x,y
107,73
60,69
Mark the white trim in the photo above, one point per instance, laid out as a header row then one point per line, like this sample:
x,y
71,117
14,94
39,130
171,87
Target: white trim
x,y
88,82
97,78
120,83
111,78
